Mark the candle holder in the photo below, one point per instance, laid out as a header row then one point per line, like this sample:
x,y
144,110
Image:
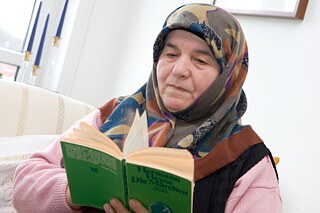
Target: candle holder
x,y
24,75
48,81
27,55
52,60
56,41
34,74
35,69
23,72
36,65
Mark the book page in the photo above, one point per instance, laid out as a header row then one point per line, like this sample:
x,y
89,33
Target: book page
x,y
138,134
88,136
87,131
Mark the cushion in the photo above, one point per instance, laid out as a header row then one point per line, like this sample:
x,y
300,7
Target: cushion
x,y
26,144
7,169
13,152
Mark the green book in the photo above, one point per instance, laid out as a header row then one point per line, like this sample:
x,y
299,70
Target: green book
x,y
98,171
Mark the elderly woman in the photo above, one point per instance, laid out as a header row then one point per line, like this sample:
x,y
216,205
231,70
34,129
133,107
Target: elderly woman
x,y
194,100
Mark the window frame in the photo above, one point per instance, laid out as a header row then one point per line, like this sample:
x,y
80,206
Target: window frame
x,y
16,58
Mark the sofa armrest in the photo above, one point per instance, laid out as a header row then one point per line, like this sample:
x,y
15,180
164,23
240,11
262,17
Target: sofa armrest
x,y
30,110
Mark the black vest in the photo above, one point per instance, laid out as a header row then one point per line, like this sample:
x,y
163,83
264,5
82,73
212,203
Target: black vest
x,y
211,192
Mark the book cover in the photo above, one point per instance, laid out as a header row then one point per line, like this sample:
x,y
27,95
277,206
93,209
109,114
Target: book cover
x,y
159,191
98,171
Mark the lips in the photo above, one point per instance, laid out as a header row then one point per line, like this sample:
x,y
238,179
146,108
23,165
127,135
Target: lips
x,y
177,87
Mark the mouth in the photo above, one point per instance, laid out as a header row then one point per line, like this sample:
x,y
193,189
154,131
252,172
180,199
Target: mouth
x,y
177,87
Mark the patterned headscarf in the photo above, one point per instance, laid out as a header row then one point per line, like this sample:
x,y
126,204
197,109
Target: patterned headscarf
x,y
215,115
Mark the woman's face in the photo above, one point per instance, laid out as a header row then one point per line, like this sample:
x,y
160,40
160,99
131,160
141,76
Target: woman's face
x,y
186,68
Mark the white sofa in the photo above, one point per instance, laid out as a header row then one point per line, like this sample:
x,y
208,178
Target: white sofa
x,y
30,119
26,109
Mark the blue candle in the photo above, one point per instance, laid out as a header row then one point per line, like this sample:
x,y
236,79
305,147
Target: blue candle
x,y
43,36
34,28
58,34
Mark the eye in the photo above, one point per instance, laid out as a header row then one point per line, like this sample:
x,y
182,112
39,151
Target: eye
x,y
171,55
200,61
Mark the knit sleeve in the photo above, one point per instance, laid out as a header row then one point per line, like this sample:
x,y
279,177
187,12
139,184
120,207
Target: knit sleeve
x,y
40,182
257,191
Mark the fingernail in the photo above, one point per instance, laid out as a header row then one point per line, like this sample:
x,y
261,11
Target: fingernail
x,y
132,202
114,202
108,207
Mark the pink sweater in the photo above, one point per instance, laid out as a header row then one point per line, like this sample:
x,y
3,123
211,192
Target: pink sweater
x,y
40,183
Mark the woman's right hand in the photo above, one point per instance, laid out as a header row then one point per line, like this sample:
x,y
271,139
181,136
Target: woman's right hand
x,y
112,207
68,198
115,206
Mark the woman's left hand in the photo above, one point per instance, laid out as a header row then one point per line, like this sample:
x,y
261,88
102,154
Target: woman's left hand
x,y
115,206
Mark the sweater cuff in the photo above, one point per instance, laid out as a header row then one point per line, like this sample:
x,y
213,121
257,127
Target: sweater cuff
x,y
59,199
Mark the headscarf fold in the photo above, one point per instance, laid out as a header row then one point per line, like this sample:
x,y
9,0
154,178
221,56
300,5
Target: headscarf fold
x,y
214,117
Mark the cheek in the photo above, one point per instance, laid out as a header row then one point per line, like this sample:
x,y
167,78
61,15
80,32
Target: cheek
x,y
204,81
162,74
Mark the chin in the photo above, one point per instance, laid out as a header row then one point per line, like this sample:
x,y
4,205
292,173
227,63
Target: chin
x,y
175,104
175,108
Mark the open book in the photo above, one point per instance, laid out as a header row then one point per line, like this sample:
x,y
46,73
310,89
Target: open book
x,y
97,171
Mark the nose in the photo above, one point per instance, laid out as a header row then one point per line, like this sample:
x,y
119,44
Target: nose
x,y
181,68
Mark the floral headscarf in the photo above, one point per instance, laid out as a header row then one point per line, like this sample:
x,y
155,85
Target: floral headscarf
x,y
207,125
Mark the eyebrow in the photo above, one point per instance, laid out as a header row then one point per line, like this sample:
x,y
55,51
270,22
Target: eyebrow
x,y
200,51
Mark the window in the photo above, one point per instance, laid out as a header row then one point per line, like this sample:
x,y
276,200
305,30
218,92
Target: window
x,y
15,18
8,71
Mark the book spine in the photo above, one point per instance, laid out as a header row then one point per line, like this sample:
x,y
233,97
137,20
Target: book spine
x,y
125,184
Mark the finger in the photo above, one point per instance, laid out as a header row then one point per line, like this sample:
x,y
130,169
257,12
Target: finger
x,y
69,202
107,207
118,206
136,206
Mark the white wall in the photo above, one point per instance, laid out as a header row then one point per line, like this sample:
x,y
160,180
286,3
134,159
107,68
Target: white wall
x,y
110,54
110,49
283,95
